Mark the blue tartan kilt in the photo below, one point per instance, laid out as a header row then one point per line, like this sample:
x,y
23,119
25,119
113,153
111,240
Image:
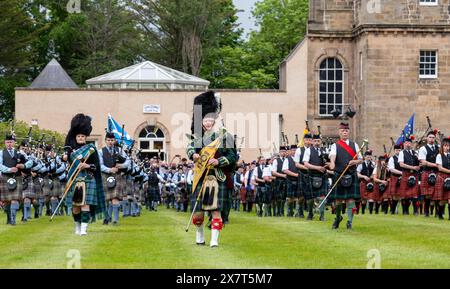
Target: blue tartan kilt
x,y
91,190
153,193
220,201
8,195
28,188
292,188
279,192
311,192
342,193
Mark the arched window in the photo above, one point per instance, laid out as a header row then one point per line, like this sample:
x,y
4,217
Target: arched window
x,y
152,142
331,86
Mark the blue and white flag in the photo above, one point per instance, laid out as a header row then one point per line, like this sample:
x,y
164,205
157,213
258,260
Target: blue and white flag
x,y
407,131
116,129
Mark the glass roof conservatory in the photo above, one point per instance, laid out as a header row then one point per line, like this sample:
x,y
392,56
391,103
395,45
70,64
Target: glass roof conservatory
x,y
148,75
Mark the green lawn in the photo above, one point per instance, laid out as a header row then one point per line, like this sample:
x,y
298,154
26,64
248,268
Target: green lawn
x,y
158,240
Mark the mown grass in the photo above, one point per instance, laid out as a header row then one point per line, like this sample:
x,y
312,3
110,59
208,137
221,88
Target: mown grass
x,y
158,240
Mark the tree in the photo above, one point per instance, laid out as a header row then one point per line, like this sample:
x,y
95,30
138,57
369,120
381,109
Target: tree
x,y
104,38
282,24
17,33
181,33
21,130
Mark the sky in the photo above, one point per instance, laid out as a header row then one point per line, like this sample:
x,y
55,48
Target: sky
x,y
245,18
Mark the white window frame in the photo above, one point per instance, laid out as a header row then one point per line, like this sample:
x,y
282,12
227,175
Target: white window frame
x,y
151,141
422,3
326,81
435,75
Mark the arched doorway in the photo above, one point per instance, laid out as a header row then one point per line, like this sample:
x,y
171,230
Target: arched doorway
x,y
152,142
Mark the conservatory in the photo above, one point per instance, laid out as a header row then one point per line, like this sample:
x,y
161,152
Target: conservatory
x,y
148,75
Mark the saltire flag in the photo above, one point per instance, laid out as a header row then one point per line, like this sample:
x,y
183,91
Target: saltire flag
x,y
407,131
116,129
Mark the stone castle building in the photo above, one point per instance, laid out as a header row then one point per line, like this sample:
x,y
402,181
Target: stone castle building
x,y
384,59
389,59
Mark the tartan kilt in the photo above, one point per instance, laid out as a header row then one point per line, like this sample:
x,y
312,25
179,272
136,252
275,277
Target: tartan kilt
x,y
91,191
153,193
393,190
363,189
425,188
292,188
376,195
373,195
439,193
269,194
279,192
220,197
406,192
46,188
28,189
249,196
312,193
37,186
260,193
242,194
302,184
117,191
58,188
342,193
382,196
7,195
128,189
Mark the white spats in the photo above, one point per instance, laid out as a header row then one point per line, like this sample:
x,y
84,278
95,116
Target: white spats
x,y
200,235
77,228
83,230
214,238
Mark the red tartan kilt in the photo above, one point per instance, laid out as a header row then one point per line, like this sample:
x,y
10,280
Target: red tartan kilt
x,y
373,195
425,188
363,189
405,191
385,195
242,194
393,189
439,193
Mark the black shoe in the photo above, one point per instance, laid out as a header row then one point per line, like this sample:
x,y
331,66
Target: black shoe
x,y
322,218
310,217
349,225
105,222
114,223
336,222
301,216
201,244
